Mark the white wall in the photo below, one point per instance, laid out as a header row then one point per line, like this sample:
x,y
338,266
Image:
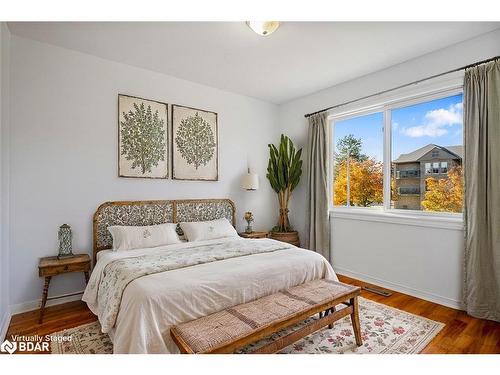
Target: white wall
x,y
4,182
64,152
421,261
348,248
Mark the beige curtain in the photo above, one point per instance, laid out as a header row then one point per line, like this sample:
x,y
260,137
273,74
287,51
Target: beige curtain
x,y
317,223
482,190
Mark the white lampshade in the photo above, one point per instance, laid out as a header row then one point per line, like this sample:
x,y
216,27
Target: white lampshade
x,y
250,181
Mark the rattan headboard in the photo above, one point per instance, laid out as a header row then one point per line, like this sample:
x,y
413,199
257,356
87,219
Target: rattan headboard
x,y
155,212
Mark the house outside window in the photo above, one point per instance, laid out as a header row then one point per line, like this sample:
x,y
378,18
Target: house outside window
x,y
437,169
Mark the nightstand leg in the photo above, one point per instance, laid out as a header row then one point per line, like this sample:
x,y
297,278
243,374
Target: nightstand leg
x,y
86,273
44,297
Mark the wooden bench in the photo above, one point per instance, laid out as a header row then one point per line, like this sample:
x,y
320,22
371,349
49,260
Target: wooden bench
x,y
233,328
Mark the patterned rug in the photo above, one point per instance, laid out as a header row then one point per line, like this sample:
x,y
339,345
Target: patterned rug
x,y
383,329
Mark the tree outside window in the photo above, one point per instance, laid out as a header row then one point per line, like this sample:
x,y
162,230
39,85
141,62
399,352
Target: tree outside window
x,y
358,168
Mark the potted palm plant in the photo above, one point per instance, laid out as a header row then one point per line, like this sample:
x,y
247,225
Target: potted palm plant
x,y
283,171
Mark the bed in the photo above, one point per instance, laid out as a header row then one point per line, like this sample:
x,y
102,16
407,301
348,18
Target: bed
x,y
139,294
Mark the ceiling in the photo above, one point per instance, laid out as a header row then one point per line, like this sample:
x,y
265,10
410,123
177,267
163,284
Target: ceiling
x,y
298,59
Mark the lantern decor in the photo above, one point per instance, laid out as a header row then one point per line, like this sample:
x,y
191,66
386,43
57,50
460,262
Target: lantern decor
x,y
249,219
65,239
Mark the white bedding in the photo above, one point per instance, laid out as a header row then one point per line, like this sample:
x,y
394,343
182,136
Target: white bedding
x,y
151,304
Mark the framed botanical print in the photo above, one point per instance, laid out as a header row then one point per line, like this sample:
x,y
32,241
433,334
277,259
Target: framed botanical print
x,y
142,138
194,144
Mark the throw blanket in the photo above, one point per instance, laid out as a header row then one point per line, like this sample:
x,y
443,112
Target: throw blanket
x,y
107,284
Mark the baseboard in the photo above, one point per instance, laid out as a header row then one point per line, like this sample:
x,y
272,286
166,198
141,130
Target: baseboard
x,y
34,305
4,325
445,301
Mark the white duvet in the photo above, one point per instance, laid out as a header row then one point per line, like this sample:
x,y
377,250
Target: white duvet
x,y
151,304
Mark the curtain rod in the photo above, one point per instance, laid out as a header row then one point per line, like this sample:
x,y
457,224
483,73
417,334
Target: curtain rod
x,y
403,86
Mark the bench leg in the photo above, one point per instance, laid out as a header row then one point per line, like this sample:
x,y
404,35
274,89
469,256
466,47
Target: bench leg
x,y
355,321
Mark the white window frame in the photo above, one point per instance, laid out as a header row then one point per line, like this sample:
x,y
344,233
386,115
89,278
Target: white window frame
x,y
431,90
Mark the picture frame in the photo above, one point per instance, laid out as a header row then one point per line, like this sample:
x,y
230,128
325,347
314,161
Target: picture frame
x,y
143,139
195,144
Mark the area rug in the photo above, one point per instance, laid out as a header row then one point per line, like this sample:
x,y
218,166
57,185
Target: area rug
x,y
384,330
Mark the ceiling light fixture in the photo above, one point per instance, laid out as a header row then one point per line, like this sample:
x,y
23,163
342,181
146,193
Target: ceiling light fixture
x,y
263,28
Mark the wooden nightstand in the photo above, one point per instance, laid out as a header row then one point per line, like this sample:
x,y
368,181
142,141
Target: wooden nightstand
x,y
254,235
52,266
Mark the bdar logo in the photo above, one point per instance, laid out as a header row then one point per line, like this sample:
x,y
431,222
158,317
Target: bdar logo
x,y
8,347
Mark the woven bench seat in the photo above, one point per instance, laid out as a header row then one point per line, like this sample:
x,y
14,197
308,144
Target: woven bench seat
x,y
233,328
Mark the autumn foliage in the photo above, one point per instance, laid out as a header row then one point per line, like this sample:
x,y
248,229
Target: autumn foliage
x,y
366,181
445,194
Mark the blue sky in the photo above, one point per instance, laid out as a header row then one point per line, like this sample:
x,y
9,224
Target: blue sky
x,y
438,121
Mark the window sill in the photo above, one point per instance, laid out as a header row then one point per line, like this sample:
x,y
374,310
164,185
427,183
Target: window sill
x,y
415,218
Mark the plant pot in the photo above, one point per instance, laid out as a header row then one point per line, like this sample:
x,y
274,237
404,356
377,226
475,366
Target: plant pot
x,y
288,237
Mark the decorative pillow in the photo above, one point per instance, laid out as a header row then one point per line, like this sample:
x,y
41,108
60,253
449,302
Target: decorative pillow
x,y
130,237
208,230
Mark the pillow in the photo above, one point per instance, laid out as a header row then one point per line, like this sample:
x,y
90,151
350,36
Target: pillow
x,y
208,230
130,237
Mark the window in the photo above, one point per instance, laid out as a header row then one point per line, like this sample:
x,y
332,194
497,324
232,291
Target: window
x,y
428,169
408,136
435,167
421,133
358,155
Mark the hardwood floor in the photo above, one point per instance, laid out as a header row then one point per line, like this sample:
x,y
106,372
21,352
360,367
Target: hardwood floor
x,y
462,333
56,318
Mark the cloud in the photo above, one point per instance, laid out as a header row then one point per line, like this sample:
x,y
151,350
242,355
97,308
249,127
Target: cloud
x,y
429,130
436,122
